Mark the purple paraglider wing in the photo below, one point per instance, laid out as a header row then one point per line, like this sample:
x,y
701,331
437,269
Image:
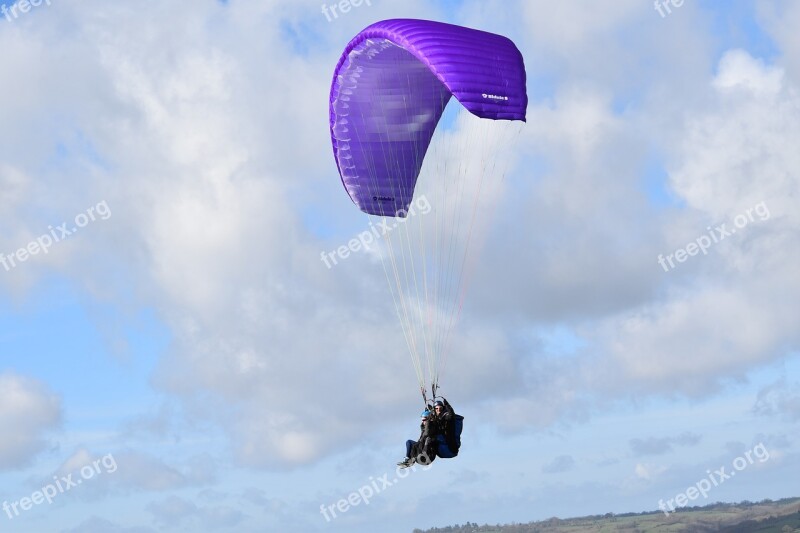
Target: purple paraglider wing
x,y
390,89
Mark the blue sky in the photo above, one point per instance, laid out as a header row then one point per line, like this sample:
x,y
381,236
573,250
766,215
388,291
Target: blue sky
x,y
195,336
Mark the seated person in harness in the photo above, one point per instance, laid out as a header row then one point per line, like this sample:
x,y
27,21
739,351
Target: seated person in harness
x,y
423,450
447,429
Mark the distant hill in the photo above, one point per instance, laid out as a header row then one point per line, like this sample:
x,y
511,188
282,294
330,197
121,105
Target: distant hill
x,y
782,516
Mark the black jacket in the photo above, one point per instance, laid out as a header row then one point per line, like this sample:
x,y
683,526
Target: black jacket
x,y
445,425
427,440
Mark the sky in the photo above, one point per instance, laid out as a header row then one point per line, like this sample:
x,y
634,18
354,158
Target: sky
x,y
176,357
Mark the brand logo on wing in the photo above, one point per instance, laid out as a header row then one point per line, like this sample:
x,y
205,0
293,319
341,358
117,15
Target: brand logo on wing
x,y
383,198
494,97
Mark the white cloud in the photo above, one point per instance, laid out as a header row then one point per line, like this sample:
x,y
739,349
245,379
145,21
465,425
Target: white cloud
x,y
739,70
576,25
175,511
29,411
779,398
779,18
733,310
129,471
648,471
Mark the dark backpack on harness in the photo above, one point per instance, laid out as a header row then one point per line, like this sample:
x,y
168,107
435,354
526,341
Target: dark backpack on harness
x,y
454,435
450,441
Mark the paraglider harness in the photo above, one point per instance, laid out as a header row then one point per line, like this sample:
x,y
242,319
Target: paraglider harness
x,y
449,433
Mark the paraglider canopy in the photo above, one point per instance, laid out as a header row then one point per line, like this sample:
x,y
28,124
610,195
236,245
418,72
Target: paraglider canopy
x,y
389,90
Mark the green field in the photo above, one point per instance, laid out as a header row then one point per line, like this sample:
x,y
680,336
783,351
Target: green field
x,y
781,516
